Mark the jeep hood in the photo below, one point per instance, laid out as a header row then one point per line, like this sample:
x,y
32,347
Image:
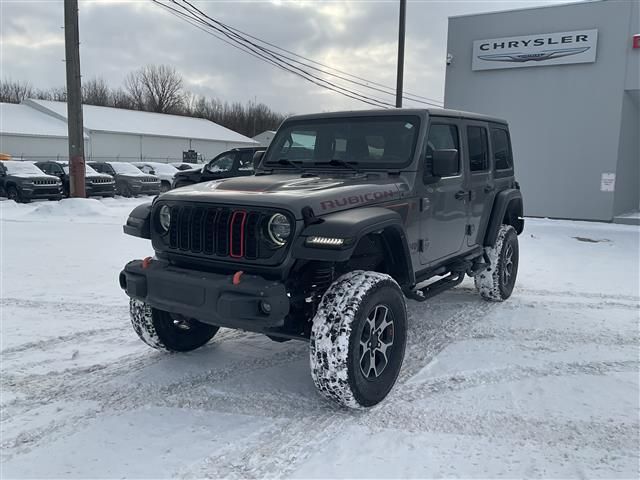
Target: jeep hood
x,y
324,193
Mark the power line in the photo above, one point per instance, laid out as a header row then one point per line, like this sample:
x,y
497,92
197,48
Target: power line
x,y
272,56
248,47
390,89
368,83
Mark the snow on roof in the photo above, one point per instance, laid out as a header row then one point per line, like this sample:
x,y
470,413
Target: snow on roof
x,y
118,120
23,120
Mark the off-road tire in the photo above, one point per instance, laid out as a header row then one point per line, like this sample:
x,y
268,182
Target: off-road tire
x,y
339,327
157,329
496,283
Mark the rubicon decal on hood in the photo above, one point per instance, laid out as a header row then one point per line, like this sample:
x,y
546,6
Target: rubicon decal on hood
x,y
357,199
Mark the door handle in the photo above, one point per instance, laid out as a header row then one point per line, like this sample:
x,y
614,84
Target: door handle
x,y
489,188
462,195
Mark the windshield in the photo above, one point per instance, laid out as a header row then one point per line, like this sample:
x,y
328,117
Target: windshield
x,y
88,170
22,168
374,142
125,168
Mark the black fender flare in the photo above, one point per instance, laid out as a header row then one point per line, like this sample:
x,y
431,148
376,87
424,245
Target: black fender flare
x,y
508,203
352,226
139,222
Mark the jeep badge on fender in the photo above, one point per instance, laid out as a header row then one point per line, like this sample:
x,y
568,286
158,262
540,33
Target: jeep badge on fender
x,y
346,215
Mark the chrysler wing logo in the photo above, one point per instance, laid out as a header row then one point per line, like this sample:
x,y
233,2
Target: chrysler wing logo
x,y
533,57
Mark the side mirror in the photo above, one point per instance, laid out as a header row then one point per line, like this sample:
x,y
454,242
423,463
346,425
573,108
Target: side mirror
x,y
445,162
257,157
152,172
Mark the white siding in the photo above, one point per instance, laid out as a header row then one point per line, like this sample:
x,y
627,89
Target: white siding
x,y
35,148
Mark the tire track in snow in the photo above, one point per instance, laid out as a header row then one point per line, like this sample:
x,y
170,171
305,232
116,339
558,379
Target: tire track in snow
x,y
419,390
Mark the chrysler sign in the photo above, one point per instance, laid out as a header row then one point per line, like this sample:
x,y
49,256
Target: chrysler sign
x,y
535,50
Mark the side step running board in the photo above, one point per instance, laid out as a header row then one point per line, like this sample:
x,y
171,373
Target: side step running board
x,y
436,287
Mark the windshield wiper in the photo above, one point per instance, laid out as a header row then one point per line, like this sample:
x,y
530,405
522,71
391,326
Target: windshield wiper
x,y
341,163
286,161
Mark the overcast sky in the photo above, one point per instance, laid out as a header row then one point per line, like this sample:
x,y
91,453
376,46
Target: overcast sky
x,y
359,37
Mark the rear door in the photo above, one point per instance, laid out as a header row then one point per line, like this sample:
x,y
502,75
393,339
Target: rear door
x,y
443,211
480,182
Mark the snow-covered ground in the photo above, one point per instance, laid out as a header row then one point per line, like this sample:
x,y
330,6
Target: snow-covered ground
x,y
544,385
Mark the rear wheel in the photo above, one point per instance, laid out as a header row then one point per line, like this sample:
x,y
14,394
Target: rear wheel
x,y
166,331
358,339
497,282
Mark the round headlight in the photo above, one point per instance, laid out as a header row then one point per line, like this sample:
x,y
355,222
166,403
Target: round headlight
x,y
279,229
164,216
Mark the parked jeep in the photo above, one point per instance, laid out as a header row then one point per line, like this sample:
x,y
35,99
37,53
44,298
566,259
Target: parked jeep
x,y
96,184
164,171
233,163
23,182
130,181
348,214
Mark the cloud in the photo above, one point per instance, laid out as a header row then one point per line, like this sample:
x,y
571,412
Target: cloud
x,y
358,37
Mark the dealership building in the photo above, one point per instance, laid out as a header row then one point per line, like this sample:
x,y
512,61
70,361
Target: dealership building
x,y
566,78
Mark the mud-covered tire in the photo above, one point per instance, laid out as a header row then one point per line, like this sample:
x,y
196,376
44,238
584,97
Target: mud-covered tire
x,y
496,283
342,337
163,331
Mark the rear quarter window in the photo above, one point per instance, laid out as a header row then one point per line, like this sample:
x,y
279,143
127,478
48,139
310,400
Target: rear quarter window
x,y
502,154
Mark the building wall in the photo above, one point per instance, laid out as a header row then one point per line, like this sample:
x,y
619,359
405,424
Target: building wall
x,y
627,197
35,148
124,147
565,119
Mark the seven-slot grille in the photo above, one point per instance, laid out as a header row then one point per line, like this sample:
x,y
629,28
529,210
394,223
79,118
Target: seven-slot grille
x,y
44,182
149,179
100,180
215,231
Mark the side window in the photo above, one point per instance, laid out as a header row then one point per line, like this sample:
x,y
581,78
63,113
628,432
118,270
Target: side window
x,y
222,164
246,161
478,148
441,137
54,169
502,155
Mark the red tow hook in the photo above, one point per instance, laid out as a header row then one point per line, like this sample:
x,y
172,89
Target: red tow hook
x,y
146,261
236,277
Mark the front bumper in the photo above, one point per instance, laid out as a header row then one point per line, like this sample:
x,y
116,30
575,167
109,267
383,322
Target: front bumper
x,y
145,188
208,297
100,189
35,192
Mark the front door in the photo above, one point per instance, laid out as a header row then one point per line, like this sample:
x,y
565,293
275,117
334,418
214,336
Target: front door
x,y
442,203
480,184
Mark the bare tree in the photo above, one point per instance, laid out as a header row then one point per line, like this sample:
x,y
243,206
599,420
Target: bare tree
x,y
156,88
15,91
96,92
121,99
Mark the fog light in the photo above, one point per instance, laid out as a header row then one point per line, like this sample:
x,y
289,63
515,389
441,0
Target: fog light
x,y
265,307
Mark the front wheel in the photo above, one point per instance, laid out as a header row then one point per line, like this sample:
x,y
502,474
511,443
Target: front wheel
x,y
14,194
166,331
358,339
496,283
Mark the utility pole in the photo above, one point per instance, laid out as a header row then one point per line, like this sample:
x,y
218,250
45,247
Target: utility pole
x,y
74,99
400,76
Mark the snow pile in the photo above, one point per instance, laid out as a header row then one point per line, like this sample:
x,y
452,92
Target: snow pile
x,y
102,210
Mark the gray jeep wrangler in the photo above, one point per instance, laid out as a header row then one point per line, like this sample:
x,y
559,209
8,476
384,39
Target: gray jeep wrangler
x,y
348,214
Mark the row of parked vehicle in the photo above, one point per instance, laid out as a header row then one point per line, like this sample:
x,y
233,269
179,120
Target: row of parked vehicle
x,y
24,181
